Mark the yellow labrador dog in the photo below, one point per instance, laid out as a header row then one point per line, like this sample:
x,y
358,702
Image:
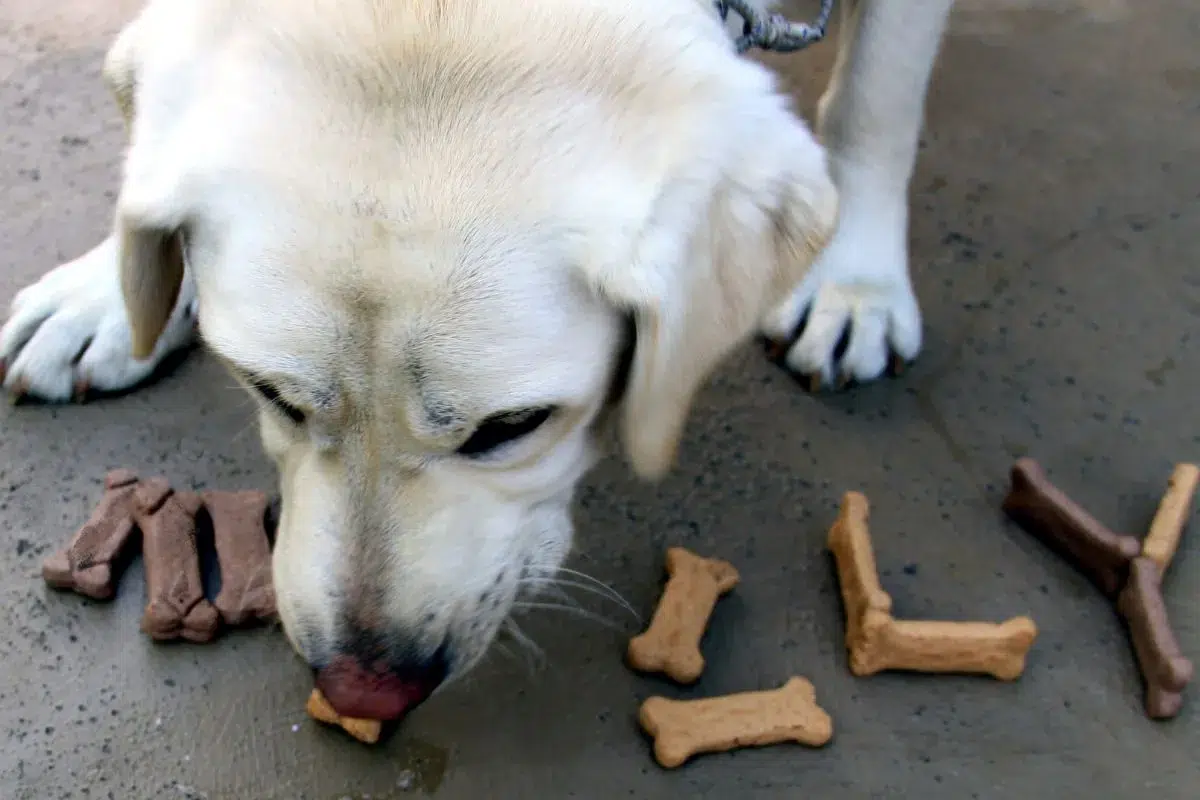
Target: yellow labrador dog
x,y
445,242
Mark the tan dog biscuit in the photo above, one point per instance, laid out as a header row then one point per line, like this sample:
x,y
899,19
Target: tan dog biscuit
x,y
176,607
92,561
672,642
365,730
876,641
684,728
1173,511
850,542
244,554
985,648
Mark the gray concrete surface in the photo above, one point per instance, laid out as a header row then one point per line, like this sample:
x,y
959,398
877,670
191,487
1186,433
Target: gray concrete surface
x,y
1057,204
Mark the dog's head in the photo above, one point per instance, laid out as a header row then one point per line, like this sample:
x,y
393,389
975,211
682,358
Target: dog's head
x,y
441,249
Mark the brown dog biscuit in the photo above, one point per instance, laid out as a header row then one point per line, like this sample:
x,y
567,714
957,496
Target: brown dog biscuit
x,y
92,561
684,728
1163,666
1173,510
176,607
1046,512
671,644
876,641
244,555
365,730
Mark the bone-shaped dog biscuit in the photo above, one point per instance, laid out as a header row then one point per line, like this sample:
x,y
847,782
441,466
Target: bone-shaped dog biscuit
x,y
1166,530
365,730
1123,568
1164,667
855,558
92,561
877,641
176,607
684,728
672,642
244,554
1045,511
986,648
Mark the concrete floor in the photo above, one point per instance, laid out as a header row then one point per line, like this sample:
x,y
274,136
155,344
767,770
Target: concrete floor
x,y
1056,206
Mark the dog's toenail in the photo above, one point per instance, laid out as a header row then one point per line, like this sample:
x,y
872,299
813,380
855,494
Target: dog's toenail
x,y
18,391
81,389
814,382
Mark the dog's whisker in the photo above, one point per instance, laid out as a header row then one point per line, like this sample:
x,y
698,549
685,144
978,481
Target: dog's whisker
x,y
247,428
540,588
556,585
599,584
579,612
247,400
586,577
511,654
557,588
534,654
598,587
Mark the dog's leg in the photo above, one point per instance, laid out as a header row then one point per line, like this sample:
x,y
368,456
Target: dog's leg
x,y
859,294
69,331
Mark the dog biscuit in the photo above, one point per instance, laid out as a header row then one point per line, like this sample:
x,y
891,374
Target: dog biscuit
x,y
92,561
244,555
876,641
1173,511
850,542
684,728
176,607
1163,666
671,644
1063,525
984,648
365,730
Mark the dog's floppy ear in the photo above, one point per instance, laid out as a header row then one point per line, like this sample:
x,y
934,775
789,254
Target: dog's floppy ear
x,y
711,263
148,225
149,230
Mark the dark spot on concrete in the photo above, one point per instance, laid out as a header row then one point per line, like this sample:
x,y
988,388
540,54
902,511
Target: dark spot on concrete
x,y
1158,374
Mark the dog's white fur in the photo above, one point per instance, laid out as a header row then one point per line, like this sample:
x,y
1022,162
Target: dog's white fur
x,y
407,217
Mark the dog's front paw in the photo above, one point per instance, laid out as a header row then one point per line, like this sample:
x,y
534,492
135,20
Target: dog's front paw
x,y
68,333
853,318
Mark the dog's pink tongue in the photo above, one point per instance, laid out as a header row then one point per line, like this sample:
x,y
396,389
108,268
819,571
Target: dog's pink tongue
x,y
355,691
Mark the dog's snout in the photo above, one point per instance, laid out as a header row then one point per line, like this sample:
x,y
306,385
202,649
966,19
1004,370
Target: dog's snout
x,y
365,682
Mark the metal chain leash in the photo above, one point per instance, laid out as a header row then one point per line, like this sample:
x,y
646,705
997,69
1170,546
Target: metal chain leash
x,y
771,31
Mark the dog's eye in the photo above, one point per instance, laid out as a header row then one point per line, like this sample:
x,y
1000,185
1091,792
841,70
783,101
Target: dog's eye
x,y
501,428
271,395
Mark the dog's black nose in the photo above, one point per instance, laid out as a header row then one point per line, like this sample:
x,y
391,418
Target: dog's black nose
x,y
368,683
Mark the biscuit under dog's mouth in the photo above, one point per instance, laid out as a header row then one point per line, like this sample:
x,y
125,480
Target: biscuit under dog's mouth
x,y
375,692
